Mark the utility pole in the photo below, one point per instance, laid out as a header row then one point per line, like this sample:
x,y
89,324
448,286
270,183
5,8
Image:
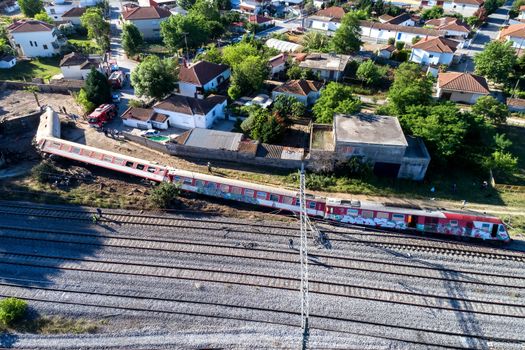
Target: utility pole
x,y
186,42
305,302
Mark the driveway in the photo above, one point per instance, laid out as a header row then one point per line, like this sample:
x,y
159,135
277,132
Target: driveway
x,y
485,34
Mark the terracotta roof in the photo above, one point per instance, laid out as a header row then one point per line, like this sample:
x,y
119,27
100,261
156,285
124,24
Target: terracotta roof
x,y
248,146
143,114
201,73
189,105
389,48
30,26
277,60
385,18
299,87
464,82
73,59
259,19
469,2
334,12
516,102
159,117
75,12
522,8
400,19
517,30
403,29
440,45
448,23
150,12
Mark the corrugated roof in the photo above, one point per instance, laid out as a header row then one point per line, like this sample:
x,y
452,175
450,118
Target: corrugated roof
x,y
464,82
150,12
213,139
440,45
266,150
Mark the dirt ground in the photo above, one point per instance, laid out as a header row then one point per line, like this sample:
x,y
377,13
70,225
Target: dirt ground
x,y
15,103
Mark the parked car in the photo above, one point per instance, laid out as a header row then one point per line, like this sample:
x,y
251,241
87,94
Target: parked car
x,y
150,133
115,97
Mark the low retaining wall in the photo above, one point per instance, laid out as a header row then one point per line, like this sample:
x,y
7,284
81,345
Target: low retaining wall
x,y
65,87
22,123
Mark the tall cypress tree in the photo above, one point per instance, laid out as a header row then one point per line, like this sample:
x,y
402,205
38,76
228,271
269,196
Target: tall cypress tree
x,y
97,88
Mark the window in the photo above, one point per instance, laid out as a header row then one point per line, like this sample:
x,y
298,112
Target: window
x,y
140,166
236,190
176,179
287,200
129,164
107,159
199,183
152,170
56,145
45,47
249,193
52,11
367,214
36,44
381,215
261,195
187,181
211,185
118,161
31,43
274,197
398,217
485,227
352,212
297,202
430,56
75,150
453,222
312,205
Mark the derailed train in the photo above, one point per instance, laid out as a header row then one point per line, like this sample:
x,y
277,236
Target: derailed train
x,y
456,223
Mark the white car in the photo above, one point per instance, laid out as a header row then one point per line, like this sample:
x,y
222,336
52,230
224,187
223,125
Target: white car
x,y
150,133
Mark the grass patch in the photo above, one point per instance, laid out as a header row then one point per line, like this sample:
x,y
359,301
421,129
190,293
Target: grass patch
x,y
54,325
44,67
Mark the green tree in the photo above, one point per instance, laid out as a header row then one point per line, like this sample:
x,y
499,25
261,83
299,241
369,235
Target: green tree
x,y
83,101
234,91
472,21
262,126
97,88
441,126
410,87
492,109
250,74
196,26
154,77
212,54
97,27
316,41
132,40
186,4
501,142
287,107
491,5
434,12
370,73
44,17
165,195
496,61
5,48
12,310
234,54
502,162
31,7
347,37
45,172
206,8
335,98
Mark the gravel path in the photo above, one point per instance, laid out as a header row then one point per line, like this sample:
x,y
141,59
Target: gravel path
x,y
203,286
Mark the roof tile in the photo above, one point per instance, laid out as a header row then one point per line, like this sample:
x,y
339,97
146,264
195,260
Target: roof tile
x,y
464,82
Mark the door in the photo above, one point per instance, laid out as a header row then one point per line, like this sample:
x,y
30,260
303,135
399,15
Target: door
x,y
399,36
386,169
494,231
446,95
412,221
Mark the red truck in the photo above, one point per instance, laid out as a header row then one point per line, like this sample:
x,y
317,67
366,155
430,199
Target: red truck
x,y
116,79
103,114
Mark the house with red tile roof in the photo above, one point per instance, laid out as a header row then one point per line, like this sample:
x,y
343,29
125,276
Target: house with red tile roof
x,y
146,19
201,77
73,15
32,38
461,87
452,26
305,91
326,19
514,33
466,8
277,64
260,21
434,51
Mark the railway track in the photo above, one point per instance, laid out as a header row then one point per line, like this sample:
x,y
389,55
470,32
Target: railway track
x,y
265,254
380,241
315,319
384,295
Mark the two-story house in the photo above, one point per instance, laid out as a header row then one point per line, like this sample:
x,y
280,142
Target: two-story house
x,y
146,19
201,77
32,38
57,8
328,19
452,26
189,112
434,51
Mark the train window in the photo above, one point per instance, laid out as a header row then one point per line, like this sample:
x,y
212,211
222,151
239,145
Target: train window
x,y
211,185
398,217
236,190
287,200
56,145
199,183
107,159
261,195
485,227
248,192
274,197
312,205
297,202
188,181
453,222
501,228
381,215
140,166
367,214
225,188
352,212
75,150
129,164
152,170
119,161
176,179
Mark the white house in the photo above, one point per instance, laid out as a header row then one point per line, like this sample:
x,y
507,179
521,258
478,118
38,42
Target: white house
x,y
466,8
201,77
56,9
146,19
381,32
144,118
306,91
251,6
452,26
514,33
327,66
461,87
328,19
73,15
522,12
434,51
403,19
7,61
33,38
386,51
77,65
277,64
188,112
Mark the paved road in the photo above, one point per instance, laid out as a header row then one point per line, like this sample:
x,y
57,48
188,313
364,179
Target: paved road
x,y
485,34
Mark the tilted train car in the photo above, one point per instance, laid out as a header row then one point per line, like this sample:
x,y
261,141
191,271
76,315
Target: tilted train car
x,y
463,224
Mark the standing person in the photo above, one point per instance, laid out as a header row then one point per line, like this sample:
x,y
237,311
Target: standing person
x,y
454,188
290,243
209,167
99,212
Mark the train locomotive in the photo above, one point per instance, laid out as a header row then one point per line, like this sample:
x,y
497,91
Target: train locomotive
x,y
440,221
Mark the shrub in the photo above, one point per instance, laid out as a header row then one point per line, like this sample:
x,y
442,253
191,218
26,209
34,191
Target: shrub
x,y
44,172
391,41
12,310
400,45
136,103
319,181
165,195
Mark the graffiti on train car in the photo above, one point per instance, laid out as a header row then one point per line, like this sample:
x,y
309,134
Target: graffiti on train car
x,y
217,192
359,220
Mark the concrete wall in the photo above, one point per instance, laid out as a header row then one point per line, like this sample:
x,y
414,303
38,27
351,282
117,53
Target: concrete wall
x,y
464,9
139,124
457,96
22,123
322,25
74,72
374,153
50,88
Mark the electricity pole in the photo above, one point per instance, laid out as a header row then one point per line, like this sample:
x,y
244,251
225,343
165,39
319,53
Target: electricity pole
x,y
305,302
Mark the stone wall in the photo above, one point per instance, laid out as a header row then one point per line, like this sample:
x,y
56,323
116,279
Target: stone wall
x,y
57,87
